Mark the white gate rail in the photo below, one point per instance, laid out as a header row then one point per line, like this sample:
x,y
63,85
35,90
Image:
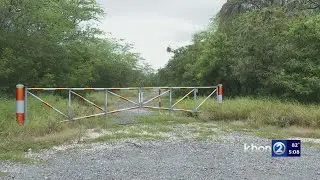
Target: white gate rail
x,y
22,93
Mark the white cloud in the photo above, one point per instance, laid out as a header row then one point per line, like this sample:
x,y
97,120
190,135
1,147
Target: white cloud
x,y
152,26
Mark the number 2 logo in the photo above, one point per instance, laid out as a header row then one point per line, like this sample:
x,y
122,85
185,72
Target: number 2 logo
x,y
279,148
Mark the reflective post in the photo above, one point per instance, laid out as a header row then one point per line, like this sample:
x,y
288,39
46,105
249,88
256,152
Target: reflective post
x,y
220,93
20,104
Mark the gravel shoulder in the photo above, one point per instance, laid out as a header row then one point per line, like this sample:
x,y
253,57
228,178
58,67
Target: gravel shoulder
x,y
215,158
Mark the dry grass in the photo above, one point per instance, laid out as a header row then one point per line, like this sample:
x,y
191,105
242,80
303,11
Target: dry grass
x,y
261,112
42,129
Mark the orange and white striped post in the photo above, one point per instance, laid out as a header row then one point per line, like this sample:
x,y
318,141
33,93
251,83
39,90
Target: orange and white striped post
x,y
220,92
20,98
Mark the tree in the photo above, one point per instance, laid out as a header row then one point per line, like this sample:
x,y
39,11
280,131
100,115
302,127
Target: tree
x,y
57,43
255,48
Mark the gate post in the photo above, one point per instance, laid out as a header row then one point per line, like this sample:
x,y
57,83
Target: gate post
x,y
140,97
195,99
20,104
105,106
69,105
170,100
159,99
219,97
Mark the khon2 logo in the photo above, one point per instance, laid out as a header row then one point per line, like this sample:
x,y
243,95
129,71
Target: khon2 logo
x,y
286,148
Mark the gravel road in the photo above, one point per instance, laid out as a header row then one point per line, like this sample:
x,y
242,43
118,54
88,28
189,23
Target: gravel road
x,y
178,159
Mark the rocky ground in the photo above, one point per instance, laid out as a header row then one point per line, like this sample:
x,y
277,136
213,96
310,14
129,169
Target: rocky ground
x,y
217,157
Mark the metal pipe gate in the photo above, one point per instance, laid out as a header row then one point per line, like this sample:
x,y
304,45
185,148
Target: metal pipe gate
x,y
23,92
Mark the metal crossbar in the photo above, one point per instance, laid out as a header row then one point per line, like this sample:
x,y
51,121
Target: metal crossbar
x,y
183,97
87,101
156,97
47,104
124,98
205,99
23,92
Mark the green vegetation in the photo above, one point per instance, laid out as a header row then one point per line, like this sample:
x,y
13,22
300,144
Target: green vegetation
x,y
43,130
258,111
261,112
256,48
3,174
18,157
266,117
58,44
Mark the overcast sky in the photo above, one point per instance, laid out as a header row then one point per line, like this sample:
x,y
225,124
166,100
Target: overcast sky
x,y
153,25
